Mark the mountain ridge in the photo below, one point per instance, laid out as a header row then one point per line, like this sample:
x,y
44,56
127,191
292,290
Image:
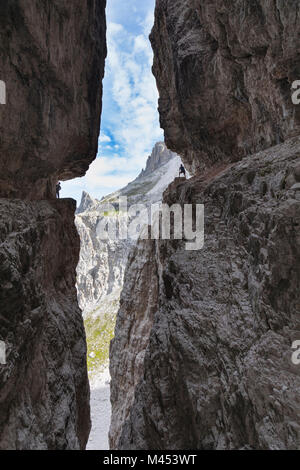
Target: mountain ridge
x,y
102,264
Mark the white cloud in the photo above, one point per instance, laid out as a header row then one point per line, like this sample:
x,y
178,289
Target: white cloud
x,y
130,123
103,177
148,22
104,138
105,173
135,124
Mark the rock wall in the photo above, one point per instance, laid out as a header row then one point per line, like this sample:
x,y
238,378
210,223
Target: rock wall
x,y
102,263
224,72
205,361
52,60
134,324
44,401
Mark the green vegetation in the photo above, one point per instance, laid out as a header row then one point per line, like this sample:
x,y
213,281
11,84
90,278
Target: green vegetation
x,y
114,213
99,333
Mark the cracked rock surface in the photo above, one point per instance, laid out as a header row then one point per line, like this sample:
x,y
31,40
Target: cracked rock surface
x,y
205,360
52,62
202,358
44,391
224,71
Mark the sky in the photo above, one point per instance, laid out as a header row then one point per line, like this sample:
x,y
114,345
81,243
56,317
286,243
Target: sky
x,y
130,122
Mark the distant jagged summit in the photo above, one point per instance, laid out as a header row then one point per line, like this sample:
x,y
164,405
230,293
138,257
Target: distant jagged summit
x,y
161,168
87,202
159,156
102,263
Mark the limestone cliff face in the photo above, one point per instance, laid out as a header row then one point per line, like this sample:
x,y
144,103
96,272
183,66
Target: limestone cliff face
x,y
202,359
160,155
52,60
224,72
102,263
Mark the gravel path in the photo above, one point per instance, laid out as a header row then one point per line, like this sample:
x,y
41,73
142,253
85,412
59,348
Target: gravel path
x,y
100,412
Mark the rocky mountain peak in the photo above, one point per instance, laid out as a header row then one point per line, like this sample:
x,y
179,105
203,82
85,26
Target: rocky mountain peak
x,y
102,263
87,203
159,156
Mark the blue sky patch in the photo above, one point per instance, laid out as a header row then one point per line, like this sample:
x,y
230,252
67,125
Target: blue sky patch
x,y
130,122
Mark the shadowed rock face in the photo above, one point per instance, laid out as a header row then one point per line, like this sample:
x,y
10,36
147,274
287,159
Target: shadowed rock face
x,y
224,72
52,61
202,359
44,392
134,323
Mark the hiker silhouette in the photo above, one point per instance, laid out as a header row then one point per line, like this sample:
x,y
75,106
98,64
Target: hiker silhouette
x,y
182,170
58,188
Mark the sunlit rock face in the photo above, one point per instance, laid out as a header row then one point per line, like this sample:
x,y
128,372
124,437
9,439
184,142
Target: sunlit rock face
x,y
52,59
102,265
202,355
160,155
224,72
101,268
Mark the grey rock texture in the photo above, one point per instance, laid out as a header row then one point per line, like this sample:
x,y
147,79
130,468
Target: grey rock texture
x,y
52,61
102,263
139,300
202,353
87,203
44,392
224,72
204,338
160,155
